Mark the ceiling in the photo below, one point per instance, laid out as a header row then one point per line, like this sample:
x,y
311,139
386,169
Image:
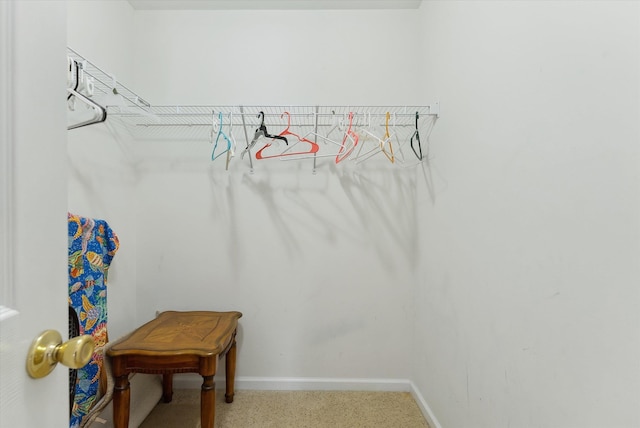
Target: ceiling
x,y
272,4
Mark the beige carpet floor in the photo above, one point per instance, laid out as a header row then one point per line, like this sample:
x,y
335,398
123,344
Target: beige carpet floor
x,y
292,409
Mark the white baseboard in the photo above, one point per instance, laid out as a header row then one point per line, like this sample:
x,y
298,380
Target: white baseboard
x,y
193,381
299,383
424,407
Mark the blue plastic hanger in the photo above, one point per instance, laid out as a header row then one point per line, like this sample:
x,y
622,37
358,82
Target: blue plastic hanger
x,y
220,134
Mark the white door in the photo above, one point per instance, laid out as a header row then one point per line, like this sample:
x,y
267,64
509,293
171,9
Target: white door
x,y
33,200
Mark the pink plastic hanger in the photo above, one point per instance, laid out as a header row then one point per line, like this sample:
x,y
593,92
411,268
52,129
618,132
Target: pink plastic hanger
x,y
287,152
349,134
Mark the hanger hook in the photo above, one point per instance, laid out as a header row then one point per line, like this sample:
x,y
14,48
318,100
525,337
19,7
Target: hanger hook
x,y
213,124
220,119
288,119
386,124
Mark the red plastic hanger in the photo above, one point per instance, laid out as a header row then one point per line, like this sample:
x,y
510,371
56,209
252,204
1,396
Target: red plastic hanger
x,y
287,152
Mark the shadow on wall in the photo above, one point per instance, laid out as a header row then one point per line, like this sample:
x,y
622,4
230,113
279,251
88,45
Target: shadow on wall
x,y
374,207
96,165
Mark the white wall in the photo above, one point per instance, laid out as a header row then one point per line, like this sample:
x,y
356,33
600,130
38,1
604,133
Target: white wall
x,y
320,265
283,57
102,31
101,180
527,304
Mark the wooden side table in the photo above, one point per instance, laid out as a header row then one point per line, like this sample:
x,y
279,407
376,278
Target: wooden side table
x,y
176,342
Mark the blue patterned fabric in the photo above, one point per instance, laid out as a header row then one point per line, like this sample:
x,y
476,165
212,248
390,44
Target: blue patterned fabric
x,y
92,245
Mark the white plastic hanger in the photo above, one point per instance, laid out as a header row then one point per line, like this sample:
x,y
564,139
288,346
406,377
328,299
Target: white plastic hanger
x,y
99,112
77,80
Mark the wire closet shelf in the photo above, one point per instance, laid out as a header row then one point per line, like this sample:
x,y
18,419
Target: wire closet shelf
x,y
144,121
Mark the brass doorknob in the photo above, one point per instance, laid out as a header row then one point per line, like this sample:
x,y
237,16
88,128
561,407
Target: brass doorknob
x,y
47,350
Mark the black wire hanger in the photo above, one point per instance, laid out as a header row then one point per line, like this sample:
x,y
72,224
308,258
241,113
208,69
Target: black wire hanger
x,y
262,132
416,134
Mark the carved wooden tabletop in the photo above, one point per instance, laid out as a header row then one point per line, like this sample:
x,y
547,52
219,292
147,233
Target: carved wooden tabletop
x,y
196,332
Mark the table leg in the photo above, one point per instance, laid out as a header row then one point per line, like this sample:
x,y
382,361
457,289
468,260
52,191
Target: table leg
x,y
230,362
167,387
207,402
121,397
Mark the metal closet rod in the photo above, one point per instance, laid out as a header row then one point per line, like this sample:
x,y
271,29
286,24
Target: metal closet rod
x,y
185,113
402,115
328,110
321,125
